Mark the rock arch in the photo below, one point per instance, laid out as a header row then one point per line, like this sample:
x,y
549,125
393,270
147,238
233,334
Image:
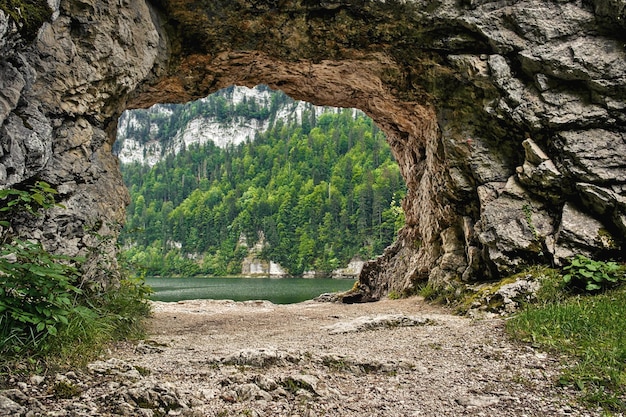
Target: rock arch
x,y
489,108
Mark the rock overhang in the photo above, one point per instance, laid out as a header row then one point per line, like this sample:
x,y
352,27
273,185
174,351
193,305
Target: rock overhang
x,y
458,88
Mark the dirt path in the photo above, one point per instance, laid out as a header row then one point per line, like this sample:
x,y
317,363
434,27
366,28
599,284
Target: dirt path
x,y
312,359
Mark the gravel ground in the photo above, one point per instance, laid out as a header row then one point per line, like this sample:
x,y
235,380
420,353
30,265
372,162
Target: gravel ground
x,y
389,358
225,358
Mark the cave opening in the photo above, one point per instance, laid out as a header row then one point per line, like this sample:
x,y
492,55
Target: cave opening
x,y
249,182
358,81
168,52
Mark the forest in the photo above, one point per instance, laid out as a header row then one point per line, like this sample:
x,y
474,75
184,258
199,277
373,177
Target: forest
x,y
318,193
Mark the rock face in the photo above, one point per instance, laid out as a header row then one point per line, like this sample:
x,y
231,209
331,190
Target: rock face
x,y
506,118
143,137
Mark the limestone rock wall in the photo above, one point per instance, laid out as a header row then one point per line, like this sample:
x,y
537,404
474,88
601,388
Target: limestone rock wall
x,y
506,118
60,96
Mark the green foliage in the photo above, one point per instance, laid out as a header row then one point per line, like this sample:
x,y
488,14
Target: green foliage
x,y
587,330
394,295
125,306
591,275
45,315
590,330
39,196
101,317
581,327
37,289
428,291
37,294
446,295
321,193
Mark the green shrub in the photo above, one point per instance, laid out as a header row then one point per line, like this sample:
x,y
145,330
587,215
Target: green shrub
x,y
591,275
48,316
37,294
37,289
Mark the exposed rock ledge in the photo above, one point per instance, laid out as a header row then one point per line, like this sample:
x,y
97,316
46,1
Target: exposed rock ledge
x,y
506,118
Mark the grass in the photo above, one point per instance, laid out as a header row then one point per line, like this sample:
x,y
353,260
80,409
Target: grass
x,y
105,317
119,315
591,329
587,328
448,295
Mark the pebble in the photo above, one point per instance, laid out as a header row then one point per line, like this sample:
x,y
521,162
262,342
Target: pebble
x,y
36,379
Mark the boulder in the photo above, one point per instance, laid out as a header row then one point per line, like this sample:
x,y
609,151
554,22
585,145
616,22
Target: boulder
x,y
9,408
580,233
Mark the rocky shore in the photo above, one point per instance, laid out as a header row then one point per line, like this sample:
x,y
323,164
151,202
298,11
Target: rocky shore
x,y
225,358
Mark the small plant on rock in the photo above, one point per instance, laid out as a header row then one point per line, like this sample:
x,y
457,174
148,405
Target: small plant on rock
x,y
592,275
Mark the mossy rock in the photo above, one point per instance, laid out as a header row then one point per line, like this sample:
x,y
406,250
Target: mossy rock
x,y
65,390
535,284
29,15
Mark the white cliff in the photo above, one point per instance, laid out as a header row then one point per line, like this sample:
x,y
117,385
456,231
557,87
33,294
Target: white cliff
x,y
144,137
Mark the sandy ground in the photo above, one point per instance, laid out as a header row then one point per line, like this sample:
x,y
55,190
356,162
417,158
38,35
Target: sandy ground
x,y
389,358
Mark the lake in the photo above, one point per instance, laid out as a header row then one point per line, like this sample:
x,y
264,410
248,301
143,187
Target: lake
x,y
278,291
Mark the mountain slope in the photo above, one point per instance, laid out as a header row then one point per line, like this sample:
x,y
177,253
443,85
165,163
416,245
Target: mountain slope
x,y
311,192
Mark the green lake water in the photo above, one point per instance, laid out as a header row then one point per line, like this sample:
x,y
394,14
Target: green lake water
x,y
278,291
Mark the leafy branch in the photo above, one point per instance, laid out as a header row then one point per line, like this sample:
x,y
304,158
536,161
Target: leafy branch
x,y
39,196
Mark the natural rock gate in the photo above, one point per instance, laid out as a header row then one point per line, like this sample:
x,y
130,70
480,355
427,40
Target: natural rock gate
x,y
507,118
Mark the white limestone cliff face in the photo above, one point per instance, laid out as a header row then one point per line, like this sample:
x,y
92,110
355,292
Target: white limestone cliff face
x,y
253,266
146,149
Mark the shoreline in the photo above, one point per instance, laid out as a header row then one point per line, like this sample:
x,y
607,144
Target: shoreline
x,y
353,278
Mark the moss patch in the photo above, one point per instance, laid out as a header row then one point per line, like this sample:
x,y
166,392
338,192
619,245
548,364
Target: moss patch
x,y
65,390
484,297
28,14
488,297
